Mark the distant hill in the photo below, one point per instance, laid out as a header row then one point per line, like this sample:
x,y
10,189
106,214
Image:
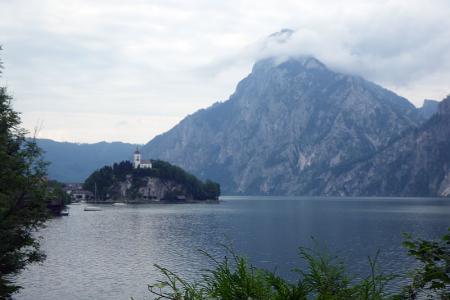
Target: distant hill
x,y
72,162
287,125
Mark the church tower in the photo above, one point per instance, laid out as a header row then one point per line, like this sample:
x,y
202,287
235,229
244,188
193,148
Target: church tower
x,y
137,158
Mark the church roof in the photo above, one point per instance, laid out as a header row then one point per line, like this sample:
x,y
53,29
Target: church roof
x,y
146,161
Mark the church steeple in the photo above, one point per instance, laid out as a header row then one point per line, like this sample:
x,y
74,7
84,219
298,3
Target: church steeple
x,y
137,158
140,163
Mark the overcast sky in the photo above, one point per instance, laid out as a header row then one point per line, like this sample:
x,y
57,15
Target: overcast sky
x,y
86,71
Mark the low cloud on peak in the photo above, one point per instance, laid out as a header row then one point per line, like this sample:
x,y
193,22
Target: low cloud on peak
x,y
403,57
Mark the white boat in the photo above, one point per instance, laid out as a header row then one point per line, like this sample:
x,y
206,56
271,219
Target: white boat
x,y
64,212
92,208
119,204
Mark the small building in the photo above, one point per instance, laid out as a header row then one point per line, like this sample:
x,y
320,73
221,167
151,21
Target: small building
x,y
76,192
138,162
82,195
72,187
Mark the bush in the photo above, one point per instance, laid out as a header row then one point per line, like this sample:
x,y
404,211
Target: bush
x,y
432,277
324,278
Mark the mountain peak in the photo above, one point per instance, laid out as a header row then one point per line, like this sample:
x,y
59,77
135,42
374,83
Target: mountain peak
x,y
428,108
291,63
310,62
444,106
281,36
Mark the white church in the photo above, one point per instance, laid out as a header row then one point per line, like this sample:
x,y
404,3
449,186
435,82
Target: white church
x,y
141,163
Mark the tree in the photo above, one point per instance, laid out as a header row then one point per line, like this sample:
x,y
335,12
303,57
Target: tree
x,y
212,190
100,182
23,197
57,198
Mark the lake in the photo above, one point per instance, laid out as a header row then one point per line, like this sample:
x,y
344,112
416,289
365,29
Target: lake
x,y
109,254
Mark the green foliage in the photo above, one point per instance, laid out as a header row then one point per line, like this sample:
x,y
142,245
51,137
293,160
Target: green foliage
x,y
122,169
324,278
100,182
166,171
57,198
211,189
231,279
327,278
434,271
235,278
107,177
23,197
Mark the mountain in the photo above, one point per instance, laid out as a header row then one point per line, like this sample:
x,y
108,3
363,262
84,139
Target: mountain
x,y
72,162
428,108
417,164
286,127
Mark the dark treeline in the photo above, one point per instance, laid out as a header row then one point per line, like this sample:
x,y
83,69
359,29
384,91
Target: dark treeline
x,y
102,180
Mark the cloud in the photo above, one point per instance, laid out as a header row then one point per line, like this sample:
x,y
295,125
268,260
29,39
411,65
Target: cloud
x,y
164,59
403,44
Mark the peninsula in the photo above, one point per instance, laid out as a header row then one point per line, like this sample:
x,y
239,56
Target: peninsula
x,y
147,181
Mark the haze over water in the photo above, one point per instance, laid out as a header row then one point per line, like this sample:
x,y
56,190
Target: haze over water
x,y
110,254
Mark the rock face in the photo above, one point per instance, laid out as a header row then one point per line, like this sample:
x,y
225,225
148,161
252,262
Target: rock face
x,y
428,109
150,189
286,129
417,164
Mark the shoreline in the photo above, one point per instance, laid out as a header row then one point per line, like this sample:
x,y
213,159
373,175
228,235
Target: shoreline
x,y
109,202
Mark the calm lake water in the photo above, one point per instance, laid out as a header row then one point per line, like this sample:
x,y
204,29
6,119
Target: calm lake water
x,y
109,254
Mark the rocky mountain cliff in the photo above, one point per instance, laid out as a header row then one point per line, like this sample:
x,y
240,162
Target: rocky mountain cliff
x,y
288,125
428,109
417,164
